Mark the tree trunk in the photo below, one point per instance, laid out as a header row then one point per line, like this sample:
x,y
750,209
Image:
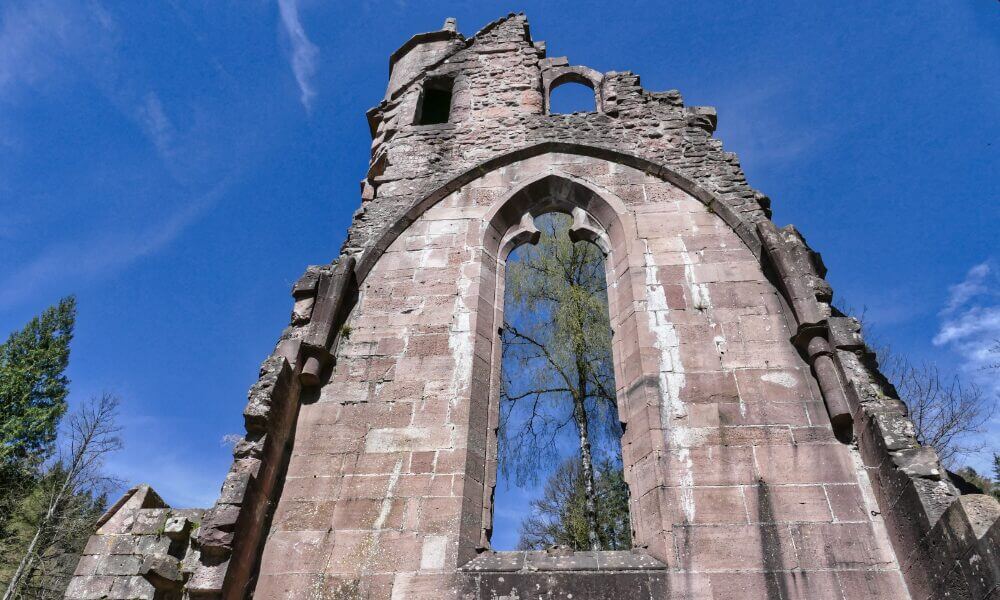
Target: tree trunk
x,y
26,563
66,487
586,461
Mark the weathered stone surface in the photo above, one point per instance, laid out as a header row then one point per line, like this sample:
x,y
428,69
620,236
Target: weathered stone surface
x,y
164,572
145,552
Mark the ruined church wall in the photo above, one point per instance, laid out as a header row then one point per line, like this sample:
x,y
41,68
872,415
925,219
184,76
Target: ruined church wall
x,y
731,462
737,432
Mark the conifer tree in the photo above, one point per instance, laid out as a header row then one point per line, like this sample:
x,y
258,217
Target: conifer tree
x,y
33,383
33,389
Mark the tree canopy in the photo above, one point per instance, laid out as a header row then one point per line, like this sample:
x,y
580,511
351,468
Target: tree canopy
x,y
33,383
558,517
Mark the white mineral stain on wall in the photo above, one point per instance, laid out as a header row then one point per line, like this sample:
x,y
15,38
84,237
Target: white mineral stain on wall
x,y
409,439
702,301
432,555
783,379
671,376
699,291
386,507
370,546
460,340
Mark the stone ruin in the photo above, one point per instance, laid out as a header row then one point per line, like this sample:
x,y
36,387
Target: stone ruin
x,y
765,455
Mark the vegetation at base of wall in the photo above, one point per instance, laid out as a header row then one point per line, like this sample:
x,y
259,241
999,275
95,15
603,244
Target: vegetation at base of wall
x,y
60,543
985,484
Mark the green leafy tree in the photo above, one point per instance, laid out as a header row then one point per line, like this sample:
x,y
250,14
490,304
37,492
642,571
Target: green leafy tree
x,y
559,516
53,521
58,549
33,388
557,373
981,481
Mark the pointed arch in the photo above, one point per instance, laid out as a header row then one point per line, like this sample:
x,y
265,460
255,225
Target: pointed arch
x,y
592,209
743,223
598,216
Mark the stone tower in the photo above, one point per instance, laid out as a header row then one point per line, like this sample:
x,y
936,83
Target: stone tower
x,y
765,455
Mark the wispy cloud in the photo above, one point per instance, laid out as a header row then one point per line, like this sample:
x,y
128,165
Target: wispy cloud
x,y
156,125
47,45
304,52
25,33
973,285
754,121
970,322
101,256
32,35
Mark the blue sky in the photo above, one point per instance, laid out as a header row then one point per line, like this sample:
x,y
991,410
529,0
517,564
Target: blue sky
x,y
177,165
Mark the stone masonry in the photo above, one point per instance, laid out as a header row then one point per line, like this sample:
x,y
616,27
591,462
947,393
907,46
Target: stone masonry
x,y
765,455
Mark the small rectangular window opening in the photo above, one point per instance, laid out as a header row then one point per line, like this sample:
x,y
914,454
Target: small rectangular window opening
x,y
435,102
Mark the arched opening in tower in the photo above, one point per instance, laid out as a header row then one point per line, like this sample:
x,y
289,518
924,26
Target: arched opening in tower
x,y
572,96
559,474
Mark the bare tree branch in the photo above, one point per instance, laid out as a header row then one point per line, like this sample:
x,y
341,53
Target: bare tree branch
x,y
90,435
947,413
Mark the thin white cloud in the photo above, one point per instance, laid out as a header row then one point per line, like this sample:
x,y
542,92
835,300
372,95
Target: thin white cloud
x,y
973,285
970,323
156,125
89,260
304,52
50,43
31,35
753,123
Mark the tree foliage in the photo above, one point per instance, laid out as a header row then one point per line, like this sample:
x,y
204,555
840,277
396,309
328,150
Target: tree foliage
x,y
33,383
33,389
559,516
558,374
51,490
54,519
59,548
985,484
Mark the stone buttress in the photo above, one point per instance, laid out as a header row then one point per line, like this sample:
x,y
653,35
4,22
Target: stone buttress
x,y
766,457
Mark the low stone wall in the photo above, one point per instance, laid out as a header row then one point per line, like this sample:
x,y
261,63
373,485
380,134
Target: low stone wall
x,y
142,550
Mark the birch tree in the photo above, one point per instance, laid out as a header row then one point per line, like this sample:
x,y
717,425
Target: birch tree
x,y
558,376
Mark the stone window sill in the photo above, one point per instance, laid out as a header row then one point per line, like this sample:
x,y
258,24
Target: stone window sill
x,y
434,127
562,560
